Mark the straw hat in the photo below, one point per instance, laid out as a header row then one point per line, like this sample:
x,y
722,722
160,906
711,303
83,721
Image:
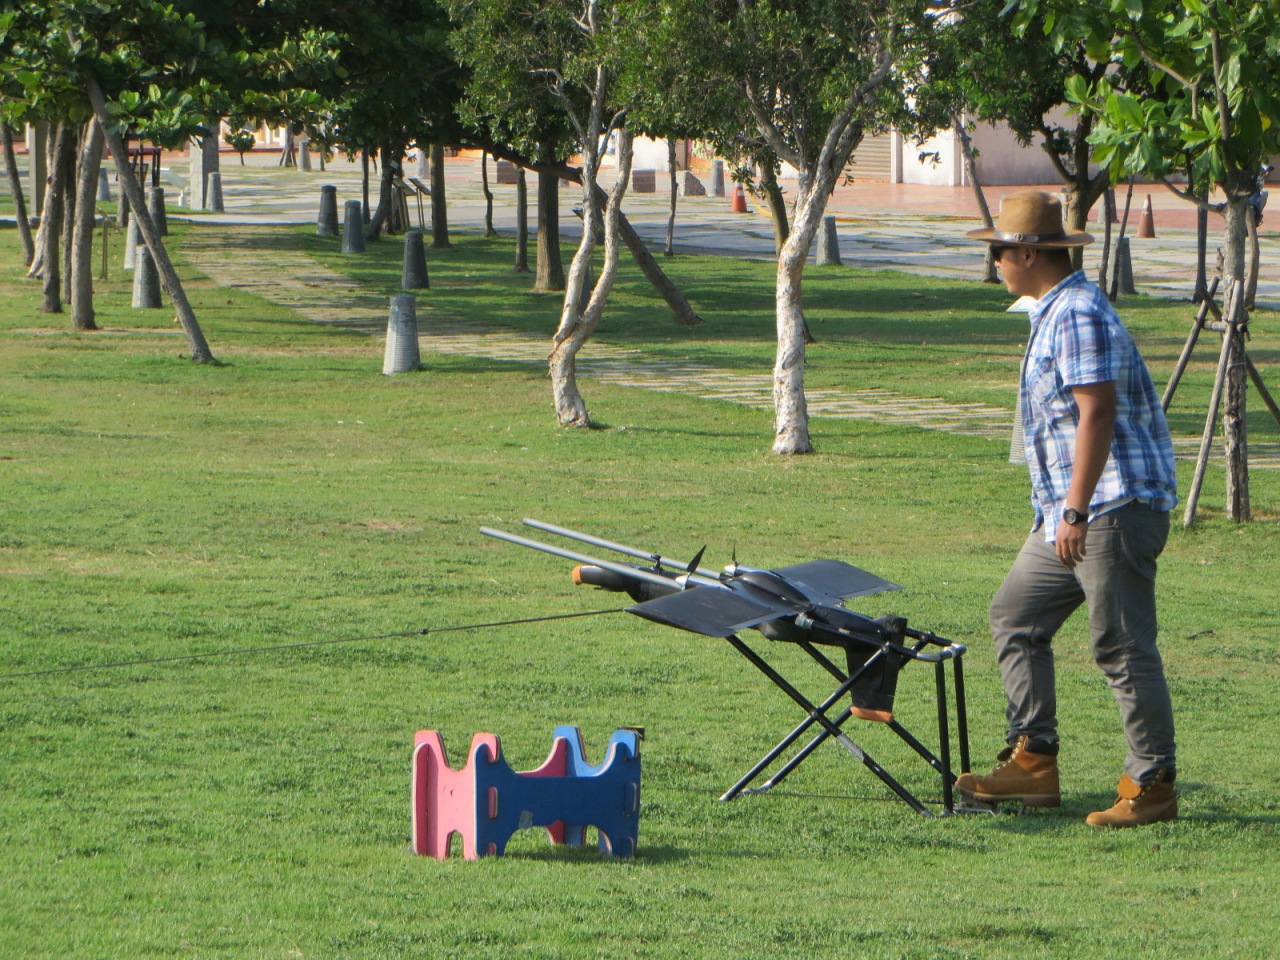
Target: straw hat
x,y
1031,218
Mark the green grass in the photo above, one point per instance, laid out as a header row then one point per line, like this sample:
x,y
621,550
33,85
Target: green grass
x,y
257,806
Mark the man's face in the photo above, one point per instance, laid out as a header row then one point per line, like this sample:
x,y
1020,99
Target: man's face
x,y
1013,265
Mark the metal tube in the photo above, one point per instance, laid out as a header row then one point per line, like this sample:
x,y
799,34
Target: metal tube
x,y
615,547
623,568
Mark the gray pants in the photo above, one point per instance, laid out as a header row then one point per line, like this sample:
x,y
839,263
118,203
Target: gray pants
x,y
1117,579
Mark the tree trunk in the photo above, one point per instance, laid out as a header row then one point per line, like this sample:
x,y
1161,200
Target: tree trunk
x,y
70,195
1234,435
49,254
384,216
989,274
791,415
439,208
670,249
365,215
19,200
488,195
287,158
1108,210
522,222
81,274
548,165
550,268
654,273
578,321
777,204
169,281
1202,254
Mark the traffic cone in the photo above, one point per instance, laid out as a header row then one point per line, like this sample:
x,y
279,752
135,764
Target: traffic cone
x,y
1147,225
739,202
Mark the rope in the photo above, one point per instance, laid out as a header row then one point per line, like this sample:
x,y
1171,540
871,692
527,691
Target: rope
x,y
308,643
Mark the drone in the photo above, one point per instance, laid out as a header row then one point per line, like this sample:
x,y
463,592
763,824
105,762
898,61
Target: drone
x,y
801,604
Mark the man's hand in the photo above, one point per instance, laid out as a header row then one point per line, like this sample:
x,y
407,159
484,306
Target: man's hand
x,y
1069,543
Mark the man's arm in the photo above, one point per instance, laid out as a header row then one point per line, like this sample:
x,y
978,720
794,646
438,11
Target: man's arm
x,y
1094,432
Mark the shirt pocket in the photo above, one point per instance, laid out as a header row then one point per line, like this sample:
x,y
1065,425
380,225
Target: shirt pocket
x,y
1044,385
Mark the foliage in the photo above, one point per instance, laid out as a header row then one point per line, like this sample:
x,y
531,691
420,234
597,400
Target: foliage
x,y
1213,111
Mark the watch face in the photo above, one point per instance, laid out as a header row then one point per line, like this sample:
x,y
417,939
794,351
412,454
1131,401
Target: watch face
x,y
1071,516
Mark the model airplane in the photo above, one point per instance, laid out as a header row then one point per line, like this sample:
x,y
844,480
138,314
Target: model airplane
x,y
802,603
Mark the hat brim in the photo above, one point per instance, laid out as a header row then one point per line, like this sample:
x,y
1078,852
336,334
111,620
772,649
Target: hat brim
x,y
1062,241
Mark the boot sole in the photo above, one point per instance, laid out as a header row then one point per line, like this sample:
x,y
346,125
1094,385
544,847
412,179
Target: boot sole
x,y
1033,800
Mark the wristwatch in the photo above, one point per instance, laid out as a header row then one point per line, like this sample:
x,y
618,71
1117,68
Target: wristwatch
x,y
1074,516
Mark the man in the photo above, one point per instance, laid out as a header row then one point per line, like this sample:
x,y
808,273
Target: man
x,y
1102,481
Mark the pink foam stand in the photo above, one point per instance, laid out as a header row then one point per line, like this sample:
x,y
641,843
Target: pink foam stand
x,y
445,801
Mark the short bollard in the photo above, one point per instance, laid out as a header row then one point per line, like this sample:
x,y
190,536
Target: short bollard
x,y
1124,268
402,336
352,228
828,244
131,244
215,193
146,281
414,275
717,178
327,221
104,187
155,206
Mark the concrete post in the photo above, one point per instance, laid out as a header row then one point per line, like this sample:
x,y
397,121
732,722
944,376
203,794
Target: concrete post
x,y
104,186
197,176
327,221
215,193
717,178
828,244
146,281
1124,268
352,228
131,244
155,206
414,275
304,154
402,335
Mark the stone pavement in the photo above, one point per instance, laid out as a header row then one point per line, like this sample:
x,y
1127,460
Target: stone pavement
x,y
917,229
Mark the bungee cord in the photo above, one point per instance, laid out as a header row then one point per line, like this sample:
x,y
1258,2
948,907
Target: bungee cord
x,y
425,631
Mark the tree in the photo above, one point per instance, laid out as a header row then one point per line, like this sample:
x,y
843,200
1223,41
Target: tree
x,y
515,116
129,65
815,76
1212,115
559,60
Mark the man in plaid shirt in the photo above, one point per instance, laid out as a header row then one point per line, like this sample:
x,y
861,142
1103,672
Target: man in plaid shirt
x,y
1102,485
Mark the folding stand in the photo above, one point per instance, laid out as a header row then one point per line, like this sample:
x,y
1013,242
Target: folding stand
x,y
877,656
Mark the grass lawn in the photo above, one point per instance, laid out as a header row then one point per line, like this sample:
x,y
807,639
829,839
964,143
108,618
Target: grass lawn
x,y
256,806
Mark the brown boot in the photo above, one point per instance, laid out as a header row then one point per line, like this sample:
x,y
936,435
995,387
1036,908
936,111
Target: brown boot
x,y
1020,775
1137,806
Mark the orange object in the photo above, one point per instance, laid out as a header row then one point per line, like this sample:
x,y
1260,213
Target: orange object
x,y
1147,225
739,202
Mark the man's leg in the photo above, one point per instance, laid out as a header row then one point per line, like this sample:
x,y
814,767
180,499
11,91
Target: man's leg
x,y
1119,574
1038,594
1035,599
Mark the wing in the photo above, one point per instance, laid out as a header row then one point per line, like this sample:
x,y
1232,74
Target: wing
x,y
835,578
712,611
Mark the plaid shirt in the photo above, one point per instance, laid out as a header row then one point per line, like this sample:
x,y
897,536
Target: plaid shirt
x,y
1077,339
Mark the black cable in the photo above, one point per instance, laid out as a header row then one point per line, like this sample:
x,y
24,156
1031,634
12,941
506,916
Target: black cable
x,y
307,643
